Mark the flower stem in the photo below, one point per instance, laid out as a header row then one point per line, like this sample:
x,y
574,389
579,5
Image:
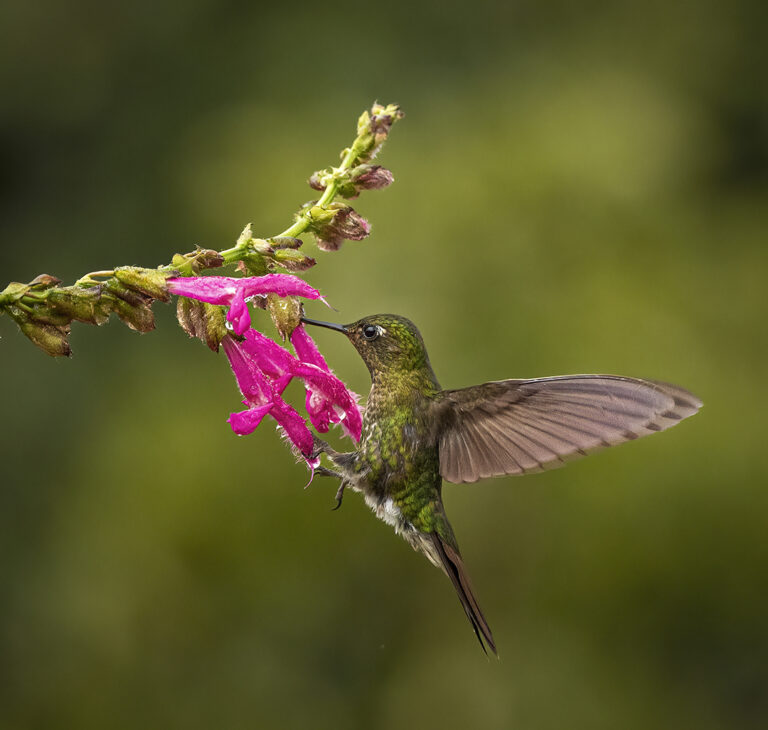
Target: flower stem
x,y
235,254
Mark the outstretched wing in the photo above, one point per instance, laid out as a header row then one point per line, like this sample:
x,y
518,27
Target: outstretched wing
x,y
522,426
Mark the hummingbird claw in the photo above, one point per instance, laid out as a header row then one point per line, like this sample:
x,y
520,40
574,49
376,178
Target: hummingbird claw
x,y
339,496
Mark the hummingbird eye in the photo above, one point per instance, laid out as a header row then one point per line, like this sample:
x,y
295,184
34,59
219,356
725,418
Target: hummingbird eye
x,y
370,332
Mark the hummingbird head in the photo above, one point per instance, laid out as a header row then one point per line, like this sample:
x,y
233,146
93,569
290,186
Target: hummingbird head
x,y
387,343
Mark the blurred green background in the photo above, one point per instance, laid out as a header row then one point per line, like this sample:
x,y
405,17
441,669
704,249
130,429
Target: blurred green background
x,y
580,187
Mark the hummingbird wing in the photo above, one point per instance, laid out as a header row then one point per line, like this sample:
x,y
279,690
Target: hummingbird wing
x,y
522,426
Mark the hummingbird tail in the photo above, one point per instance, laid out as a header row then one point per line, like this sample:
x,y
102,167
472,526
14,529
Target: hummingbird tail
x,y
453,566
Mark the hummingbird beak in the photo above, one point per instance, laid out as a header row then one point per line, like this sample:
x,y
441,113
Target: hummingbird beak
x,y
329,325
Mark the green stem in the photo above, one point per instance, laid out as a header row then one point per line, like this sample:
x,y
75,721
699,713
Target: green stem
x,y
235,254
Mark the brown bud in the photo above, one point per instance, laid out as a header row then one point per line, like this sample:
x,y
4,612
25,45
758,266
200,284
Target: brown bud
x,y
348,223
131,306
137,317
286,313
372,177
206,258
293,260
336,223
206,322
44,281
315,181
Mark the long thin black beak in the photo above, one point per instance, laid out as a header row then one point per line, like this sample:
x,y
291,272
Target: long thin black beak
x,y
328,325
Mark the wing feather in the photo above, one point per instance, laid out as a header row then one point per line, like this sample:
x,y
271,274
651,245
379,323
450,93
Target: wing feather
x,y
521,426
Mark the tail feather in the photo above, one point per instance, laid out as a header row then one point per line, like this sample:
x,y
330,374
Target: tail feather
x,y
453,566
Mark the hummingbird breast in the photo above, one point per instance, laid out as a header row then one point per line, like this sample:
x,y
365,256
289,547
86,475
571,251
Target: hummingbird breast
x,y
397,467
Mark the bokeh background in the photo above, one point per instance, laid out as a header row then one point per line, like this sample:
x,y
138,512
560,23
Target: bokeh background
x,y
580,187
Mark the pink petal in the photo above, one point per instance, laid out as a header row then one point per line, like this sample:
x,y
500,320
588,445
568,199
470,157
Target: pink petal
x,y
211,289
326,391
294,428
220,289
306,349
270,357
281,284
238,313
251,380
245,422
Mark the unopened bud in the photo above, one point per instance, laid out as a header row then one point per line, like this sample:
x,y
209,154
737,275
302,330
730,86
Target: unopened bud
x,y
82,304
245,235
315,181
44,281
206,258
285,312
206,322
365,177
293,260
372,177
45,314
13,292
279,242
336,223
348,223
194,262
373,129
50,338
132,307
253,264
151,282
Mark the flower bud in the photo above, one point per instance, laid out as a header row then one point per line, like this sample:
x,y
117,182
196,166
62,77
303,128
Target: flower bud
x,y
285,312
81,304
371,177
206,258
151,282
365,177
253,264
316,182
195,261
280,242
132,307
335,224
13,292
206,322
293,260
44,281
50,338
373,129
44,314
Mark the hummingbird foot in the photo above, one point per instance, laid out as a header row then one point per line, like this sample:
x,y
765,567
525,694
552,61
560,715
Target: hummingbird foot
x,y
339,495
323,471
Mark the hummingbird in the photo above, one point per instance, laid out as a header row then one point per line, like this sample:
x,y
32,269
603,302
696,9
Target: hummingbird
x,y
415,435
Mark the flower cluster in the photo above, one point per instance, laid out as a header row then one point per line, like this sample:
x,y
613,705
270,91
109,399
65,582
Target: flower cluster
x,y
263,369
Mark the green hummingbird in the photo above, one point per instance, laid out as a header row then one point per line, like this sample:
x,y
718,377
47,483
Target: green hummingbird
x,y
415,435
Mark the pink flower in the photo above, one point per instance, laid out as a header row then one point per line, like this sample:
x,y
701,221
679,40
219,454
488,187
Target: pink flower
x,y
328,399
263,396
263,370
234,292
